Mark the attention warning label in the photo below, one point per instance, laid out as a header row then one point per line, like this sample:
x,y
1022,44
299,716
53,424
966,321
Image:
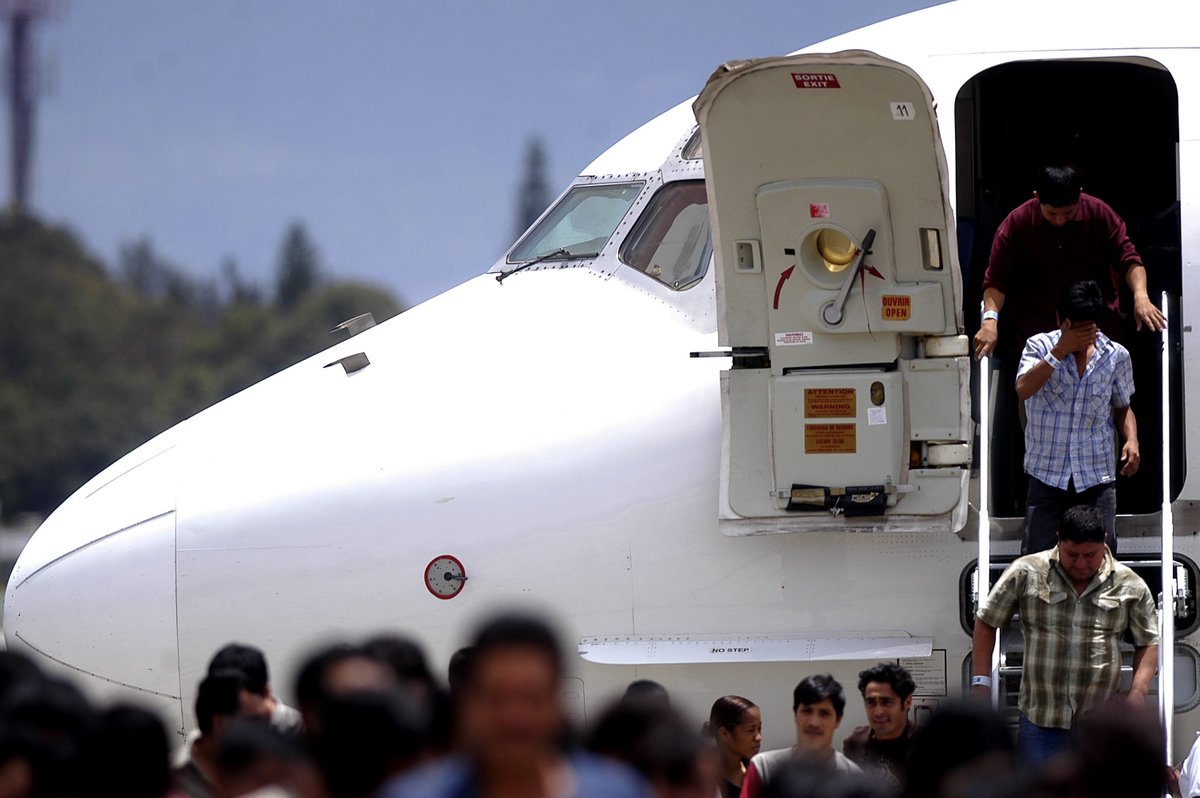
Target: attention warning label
x,y
830,403
897,307
798,338
829,439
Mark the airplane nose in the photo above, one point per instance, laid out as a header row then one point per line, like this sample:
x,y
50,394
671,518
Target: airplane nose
x,y
93,593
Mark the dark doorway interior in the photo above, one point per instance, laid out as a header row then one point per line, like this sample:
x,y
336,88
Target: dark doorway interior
x,y
1117,123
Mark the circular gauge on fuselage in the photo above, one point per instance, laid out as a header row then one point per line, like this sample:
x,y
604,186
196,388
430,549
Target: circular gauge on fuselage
x,y
445,576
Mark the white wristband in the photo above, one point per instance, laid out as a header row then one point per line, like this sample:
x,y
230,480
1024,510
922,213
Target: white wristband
x,y
1052,361
981,681
990,315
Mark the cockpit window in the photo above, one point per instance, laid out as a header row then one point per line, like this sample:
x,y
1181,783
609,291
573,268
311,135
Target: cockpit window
x,y
581,222
671,241
694,149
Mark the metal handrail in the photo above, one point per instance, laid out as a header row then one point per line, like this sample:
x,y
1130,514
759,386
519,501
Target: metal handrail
x,y
983,561
1166,615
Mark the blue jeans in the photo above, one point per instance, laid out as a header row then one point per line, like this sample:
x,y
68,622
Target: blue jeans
x,y
1045,505
1036,744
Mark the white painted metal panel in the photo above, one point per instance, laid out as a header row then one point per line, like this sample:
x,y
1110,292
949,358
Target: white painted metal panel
x,y
686,649
106,612
801,143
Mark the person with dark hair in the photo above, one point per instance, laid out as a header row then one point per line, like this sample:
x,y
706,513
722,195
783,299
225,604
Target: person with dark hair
x,y
1077,385
456,671
735,724
248,659
51,708
406,658
647,691
962,748
221,698
252,662
447,711
127,753
336,670
45,723
512,723
1059,237
34,767
881,747
367,738
817,704
16,670
1114,751
658,743
1076,602
255,756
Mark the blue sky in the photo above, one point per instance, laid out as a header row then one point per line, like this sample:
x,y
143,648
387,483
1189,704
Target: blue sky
x,y
394,130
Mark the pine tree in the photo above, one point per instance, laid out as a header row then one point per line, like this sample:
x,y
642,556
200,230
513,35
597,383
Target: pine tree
x,y
533,195
299,267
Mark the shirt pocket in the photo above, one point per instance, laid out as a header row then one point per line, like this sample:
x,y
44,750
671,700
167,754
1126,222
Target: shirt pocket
x,y
1060,395
1110,610
1048,610
1098,399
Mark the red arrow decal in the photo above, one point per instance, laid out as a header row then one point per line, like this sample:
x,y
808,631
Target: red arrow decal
x,y
783,278
871,270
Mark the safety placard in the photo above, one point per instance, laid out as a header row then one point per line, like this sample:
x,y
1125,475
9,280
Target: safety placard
x,y
798,338
830,438
830,403
897,307
928,672
815,80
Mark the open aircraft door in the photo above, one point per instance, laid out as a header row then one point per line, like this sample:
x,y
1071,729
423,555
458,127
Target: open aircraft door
x,y
839,291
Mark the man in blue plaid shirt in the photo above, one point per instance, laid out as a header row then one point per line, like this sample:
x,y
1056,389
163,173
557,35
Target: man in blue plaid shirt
x,y
1076,384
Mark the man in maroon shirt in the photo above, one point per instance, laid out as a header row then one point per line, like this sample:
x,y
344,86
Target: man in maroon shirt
x,y
1056,239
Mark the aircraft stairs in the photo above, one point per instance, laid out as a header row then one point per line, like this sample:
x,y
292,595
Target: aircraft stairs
x,y
1012,648
1171,578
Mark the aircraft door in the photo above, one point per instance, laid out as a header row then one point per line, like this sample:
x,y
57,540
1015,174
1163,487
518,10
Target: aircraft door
x,y
838,288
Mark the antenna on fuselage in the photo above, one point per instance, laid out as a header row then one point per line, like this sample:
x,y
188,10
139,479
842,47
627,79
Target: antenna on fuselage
x,y
361,322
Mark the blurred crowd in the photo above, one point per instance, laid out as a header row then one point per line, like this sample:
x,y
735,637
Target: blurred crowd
x,y
371,719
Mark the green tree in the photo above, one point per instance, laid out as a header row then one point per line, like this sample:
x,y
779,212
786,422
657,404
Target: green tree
x,y
299,267
156,278
91,366
239,291
72,397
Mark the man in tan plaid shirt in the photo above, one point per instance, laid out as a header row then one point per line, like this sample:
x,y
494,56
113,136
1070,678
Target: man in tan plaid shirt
x,y
1075,603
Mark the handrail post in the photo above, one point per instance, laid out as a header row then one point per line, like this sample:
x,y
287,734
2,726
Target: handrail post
x,y
984,559
1166,637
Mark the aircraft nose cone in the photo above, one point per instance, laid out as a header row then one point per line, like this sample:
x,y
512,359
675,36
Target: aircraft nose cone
x,y
94,590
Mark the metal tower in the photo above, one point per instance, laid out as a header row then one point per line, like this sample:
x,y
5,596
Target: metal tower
x,y
22,15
